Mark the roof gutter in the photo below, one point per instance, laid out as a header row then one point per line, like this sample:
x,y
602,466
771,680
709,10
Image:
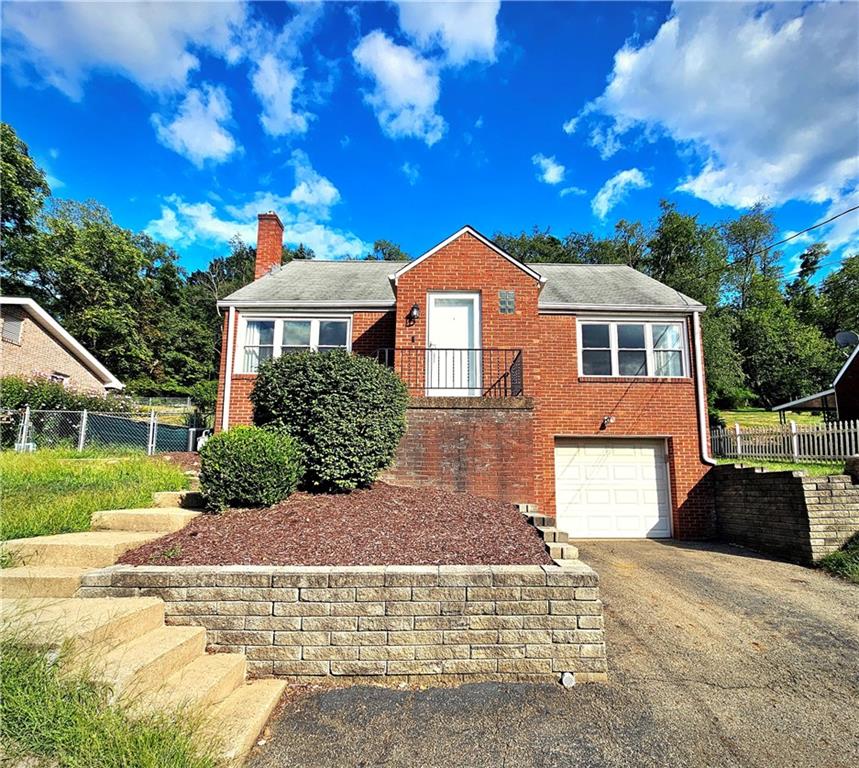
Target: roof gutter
x,y
355,306
701,396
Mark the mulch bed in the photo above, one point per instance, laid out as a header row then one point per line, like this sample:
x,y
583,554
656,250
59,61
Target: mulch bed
x,y
382,525
186,460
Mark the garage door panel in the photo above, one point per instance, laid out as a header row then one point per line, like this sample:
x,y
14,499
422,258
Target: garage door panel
x,y
612,488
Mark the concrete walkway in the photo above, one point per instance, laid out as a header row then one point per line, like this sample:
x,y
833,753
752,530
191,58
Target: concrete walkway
x,y
717,657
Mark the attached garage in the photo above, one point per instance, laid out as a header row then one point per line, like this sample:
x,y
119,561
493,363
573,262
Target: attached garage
x,y
612,488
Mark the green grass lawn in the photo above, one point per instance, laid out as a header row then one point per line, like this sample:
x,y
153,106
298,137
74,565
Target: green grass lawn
x,y
53,491
844,562
813,469
759,417
65,719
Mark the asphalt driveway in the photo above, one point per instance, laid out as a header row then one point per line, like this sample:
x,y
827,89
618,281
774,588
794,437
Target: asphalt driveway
x,y
717,657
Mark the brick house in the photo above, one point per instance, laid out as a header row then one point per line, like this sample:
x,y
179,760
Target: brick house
x,y
576,387
35,344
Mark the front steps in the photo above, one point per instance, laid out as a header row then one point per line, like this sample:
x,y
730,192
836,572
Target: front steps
x,y
124,641
557,542
90,549
155,519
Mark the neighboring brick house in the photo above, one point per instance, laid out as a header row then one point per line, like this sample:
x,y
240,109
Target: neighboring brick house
x,y
840,402
576,387
34,344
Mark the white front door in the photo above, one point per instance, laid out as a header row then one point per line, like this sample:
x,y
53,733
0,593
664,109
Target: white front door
x,y
612,488
453,335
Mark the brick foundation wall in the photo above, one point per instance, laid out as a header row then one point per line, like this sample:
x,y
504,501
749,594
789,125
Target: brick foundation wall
x,y
39,354
411,623
481,446
785,514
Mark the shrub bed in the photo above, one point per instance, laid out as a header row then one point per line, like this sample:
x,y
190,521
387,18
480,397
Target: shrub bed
x,y
249,467
347,411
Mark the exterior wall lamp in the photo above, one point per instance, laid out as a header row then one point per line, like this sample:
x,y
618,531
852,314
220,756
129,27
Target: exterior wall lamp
x,y
414,315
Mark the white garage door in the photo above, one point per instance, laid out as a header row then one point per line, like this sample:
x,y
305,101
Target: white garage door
x,y
612,488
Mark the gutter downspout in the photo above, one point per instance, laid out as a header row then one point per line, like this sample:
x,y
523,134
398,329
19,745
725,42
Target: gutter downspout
x,y
699,390
228,368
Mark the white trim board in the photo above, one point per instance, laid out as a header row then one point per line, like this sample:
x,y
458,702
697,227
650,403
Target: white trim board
x,y
64,338
467,229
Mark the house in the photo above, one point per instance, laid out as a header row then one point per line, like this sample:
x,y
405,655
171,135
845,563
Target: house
x,y
576,387
34,344
840,402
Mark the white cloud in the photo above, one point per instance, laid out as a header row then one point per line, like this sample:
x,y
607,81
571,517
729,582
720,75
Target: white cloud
x,y
465,31
274,83
152,44
572,191
406,88
411,171
615,190
304,213
550,171
570,126
197,130
762,99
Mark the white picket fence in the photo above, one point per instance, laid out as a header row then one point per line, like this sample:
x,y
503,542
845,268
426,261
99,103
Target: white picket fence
x,y
831,441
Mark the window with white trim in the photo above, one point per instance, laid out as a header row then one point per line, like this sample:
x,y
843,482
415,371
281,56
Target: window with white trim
x,y
631,348
264,339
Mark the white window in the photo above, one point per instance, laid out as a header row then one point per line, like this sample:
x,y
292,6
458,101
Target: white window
x,y
262,339
631,348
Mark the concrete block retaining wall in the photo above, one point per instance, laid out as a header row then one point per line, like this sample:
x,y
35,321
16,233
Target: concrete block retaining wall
x,y
785,514
412,623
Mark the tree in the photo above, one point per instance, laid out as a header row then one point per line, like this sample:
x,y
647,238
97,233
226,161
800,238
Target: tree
x,y
385,250
24,185
839,299
801,294
301,253
539,246
747,238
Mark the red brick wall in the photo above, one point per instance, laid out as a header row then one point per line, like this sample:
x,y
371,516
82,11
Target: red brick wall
x,y
469,444
370,331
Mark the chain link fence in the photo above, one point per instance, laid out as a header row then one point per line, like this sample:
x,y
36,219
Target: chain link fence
x,y
92,430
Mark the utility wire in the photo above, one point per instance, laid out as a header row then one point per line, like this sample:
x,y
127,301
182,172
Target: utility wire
x,y
802,232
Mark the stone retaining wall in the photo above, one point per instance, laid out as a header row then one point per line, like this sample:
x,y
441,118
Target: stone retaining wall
x,y
412,623
785,514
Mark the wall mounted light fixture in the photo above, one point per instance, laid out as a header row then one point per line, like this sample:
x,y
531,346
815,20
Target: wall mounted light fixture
x,y
414,315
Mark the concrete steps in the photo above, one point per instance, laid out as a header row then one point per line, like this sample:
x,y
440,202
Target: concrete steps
x,y
142,664
40,581
91,549
160,520
124,641
557,542
185,499
94,623
239,719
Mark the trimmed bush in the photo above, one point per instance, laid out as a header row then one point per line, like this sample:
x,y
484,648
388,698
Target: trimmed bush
x,y
248,467
347,411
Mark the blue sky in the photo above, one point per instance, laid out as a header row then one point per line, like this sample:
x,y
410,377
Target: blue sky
x,y
358,121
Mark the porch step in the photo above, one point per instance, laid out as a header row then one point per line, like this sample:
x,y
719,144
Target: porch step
x,y
539,520
238,720
40,581
87,623
92,549
184,499
203,682
559,551
162,519
141,665
553,534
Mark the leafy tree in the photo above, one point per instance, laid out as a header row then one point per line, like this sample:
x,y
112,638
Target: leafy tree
x,y
747,238
24,185
801,294
839,299
726,381
301,253
385,250
539,246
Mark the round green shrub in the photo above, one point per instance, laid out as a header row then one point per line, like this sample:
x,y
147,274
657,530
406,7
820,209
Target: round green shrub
x,y
248,467
347,411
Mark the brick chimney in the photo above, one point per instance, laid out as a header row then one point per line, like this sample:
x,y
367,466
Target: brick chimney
x,y
269,243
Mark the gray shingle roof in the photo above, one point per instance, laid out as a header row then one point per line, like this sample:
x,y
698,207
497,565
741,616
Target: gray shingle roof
x,y
362,283
611,285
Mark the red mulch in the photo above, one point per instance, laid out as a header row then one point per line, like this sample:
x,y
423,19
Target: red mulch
x,y
187,460
382,525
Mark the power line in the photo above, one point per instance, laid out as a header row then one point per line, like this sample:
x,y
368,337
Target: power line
x,y
802,232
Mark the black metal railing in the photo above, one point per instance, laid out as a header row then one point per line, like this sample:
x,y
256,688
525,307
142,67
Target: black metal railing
x,y
478,372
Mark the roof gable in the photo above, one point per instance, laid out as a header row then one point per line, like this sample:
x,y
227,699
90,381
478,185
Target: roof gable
x,y
64,339
854,356
469,230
